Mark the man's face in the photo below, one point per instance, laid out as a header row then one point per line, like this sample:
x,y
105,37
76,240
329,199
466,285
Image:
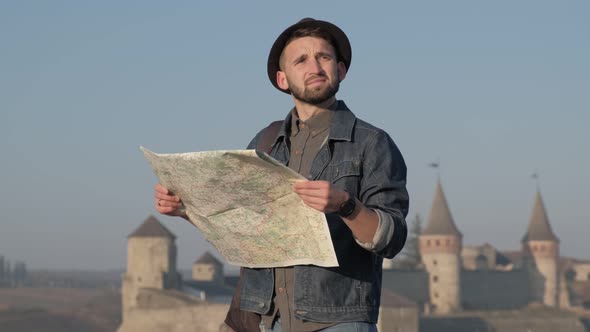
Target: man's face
x,y
310,70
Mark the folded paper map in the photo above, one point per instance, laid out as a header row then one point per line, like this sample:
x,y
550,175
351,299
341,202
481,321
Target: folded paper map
x,y
243,203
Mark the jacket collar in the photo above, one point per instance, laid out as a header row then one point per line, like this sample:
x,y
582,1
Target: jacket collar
x,y
340,129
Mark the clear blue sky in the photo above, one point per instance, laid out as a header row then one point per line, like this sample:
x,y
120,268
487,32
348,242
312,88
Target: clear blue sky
x,y
494,90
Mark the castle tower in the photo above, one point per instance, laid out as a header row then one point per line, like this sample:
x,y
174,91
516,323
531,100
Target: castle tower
x,y
151,261
540,247
440,248
208,268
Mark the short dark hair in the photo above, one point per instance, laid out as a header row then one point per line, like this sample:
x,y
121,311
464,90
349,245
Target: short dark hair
x,y
311,32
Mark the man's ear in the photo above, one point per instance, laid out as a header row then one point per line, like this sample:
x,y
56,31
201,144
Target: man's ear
x,y
282,80
341,71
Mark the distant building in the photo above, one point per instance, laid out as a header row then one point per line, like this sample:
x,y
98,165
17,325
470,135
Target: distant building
x,y
154,296
440,249
12,276
2,269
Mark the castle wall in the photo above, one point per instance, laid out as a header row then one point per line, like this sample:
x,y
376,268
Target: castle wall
x,y
401,319
489,289
468,255
412,284
582,271
148,259
151,263
444,281
564,293
478,257
545,254
387,263
548,268
208,272
204,317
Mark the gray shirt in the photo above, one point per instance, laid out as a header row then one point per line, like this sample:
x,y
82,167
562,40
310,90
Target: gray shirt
x,y
307,137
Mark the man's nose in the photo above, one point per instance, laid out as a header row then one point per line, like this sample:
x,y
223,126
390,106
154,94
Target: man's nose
x,y
315,67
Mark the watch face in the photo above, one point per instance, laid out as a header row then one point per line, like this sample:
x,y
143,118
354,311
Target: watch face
x,y
347,208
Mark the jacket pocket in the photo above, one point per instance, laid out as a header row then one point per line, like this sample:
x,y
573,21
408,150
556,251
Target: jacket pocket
x,y
345,175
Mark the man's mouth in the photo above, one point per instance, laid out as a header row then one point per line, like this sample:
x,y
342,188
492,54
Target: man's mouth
x,y
315,80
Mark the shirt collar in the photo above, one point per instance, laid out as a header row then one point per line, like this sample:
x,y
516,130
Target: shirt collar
x,y
341,124
315,124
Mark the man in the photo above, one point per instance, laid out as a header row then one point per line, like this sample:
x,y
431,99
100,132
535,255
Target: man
x,y
357,177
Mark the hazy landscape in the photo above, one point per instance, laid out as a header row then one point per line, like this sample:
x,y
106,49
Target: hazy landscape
x,y
93,308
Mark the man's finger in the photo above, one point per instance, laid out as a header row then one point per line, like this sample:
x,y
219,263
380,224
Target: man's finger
x,y
166,203
166,210
161,189
314,199
318,207
313,193
311,185
165,197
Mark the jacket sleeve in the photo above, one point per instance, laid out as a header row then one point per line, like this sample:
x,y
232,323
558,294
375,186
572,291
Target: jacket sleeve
x,y
383,189
254,142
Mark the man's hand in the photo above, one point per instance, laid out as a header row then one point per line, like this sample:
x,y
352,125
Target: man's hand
x,y
167,203
320,195
324,197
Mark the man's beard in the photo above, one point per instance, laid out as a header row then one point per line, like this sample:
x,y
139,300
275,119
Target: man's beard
x,y
314,96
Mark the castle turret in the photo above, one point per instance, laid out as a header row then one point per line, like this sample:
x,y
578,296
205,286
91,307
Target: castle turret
x,y
151,261
541,249
208,268
440,248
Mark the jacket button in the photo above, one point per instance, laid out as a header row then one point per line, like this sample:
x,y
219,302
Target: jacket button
x,y
261,305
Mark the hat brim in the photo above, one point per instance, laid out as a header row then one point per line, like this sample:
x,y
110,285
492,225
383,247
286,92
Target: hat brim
x,y
342,46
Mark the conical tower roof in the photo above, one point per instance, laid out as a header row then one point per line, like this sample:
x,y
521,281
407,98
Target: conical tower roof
x,y
440,221
207,258
539,227
151,227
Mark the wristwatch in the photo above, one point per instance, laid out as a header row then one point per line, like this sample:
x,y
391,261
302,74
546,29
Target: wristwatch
x,y
347,208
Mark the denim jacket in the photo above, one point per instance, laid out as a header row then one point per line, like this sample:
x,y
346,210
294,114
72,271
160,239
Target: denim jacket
x,y
364,161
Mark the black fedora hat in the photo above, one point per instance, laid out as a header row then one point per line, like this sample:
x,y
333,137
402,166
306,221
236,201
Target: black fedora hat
x,y
342,45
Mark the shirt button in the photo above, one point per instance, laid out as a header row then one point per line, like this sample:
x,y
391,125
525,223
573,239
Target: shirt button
x,y
297,152
302,125
313,132
281,290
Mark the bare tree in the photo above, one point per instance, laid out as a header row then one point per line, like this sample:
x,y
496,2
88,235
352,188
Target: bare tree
x,y
410,258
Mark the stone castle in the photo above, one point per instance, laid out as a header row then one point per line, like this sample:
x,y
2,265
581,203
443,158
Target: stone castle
x,y
460,288
482,277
